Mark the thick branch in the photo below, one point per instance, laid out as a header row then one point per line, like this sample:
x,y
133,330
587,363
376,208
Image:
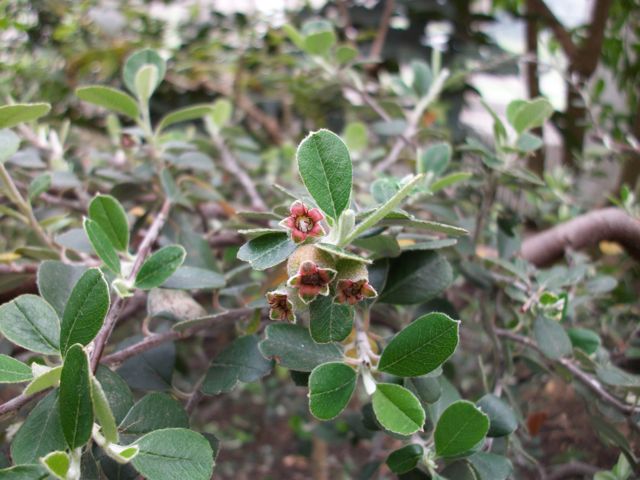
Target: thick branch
x,y
560,32
610,224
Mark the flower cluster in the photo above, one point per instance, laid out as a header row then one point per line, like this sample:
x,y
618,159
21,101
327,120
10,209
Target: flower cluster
x,y
313,271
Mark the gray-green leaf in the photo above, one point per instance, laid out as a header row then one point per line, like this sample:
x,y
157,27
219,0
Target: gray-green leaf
x,y
194,112
30,322
12,115
405,459
267,250
107,212
152,412
174,453
110,98
160,266
9,144
421,347
103,412
331,386
102,245
325,167
329,321
76,409
294,348
397,409
13,371
551,338
239,362
139,59
85,311
502,420
415,277
460,428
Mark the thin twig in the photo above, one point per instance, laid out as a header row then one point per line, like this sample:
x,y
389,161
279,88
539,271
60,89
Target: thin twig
x,y
116,307
383,29
231,165
584,378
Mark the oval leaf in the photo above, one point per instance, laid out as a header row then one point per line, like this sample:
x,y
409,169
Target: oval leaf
x,y
193,112
551,338
329,321
30,322
397,409
160,266
415,277
239,362
154,411
107,212
405,458
102,245
110,98
139,59
103,412
12,115
421,347
325,167
460,428
174,453
86,308
76,410
267,250
502,420
293,347
13,371
331,386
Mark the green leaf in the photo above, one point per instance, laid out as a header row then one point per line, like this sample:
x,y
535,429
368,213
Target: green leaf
x,y
502,420
448,180
551,338
194,278
48,379
405,459
174,453
416,277
40,433
490,466
331,386
325,167
194,112
102,245
30,322
150,370
435,159
146,81
222,110
24,472
584,339
397,409
267,250
239,362
344,54
319,37
107,212
460,428
13,371
9,144
12,115
139,59
86,309
294,35
427,387
152,412
422,77
525,115
356,136
76,410
103,412
39,185
293,348
421,347
57,463
117,392
528,142
329,321
616,377
160,266
56,281
110,98
341,253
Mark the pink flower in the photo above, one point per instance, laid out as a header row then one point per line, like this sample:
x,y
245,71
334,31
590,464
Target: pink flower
x,y
311,281
303,222
280,307
354,291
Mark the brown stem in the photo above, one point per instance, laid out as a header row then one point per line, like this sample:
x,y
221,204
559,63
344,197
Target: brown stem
x,y
536,160
116,307
610,224
584,378
383,29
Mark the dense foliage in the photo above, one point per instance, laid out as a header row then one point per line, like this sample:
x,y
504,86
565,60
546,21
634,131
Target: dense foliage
x,y
247,210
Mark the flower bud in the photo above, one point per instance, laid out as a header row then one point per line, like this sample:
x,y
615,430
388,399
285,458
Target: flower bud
x,y
280,306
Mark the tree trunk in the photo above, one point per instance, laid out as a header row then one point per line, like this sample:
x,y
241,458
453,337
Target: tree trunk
x,y
573,127
536,160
